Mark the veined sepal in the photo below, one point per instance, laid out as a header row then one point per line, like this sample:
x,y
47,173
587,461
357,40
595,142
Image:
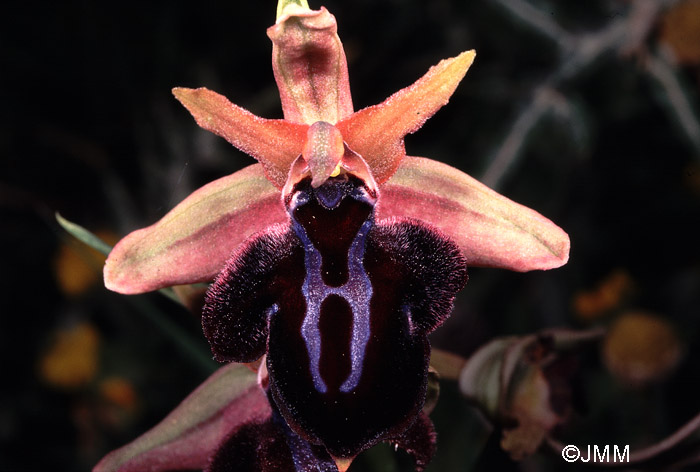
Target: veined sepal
x,y
192,432
192,241
490,229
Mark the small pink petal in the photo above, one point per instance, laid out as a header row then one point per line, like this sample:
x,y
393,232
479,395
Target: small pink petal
x,y
377,132
274,143
491,230
310,67
354,164
326,155
190,434
193,241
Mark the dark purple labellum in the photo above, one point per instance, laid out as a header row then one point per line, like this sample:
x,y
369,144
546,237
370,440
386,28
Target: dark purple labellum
x,y
269,445
345,305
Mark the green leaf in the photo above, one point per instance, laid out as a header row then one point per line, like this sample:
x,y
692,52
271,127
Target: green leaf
x,y
83,235
201,357
91,239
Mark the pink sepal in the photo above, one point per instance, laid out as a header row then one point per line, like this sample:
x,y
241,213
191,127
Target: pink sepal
x,y
191,433
273,143
310,67
192,242
490,229
376,133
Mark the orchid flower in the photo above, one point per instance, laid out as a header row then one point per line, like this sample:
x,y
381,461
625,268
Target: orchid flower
x,y
337,254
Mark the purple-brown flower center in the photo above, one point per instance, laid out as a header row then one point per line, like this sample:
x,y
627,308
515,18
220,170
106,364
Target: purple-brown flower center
x,y
332,223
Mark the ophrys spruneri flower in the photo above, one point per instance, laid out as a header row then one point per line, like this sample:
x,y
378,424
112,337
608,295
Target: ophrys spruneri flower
x,y
337,254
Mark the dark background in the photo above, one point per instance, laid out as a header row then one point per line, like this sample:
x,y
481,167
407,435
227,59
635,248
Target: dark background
x,y
90,129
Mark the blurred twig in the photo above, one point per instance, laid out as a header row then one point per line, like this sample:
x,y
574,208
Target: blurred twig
x,y
507,154
663,72
685,432
577,54
538,20
650,457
